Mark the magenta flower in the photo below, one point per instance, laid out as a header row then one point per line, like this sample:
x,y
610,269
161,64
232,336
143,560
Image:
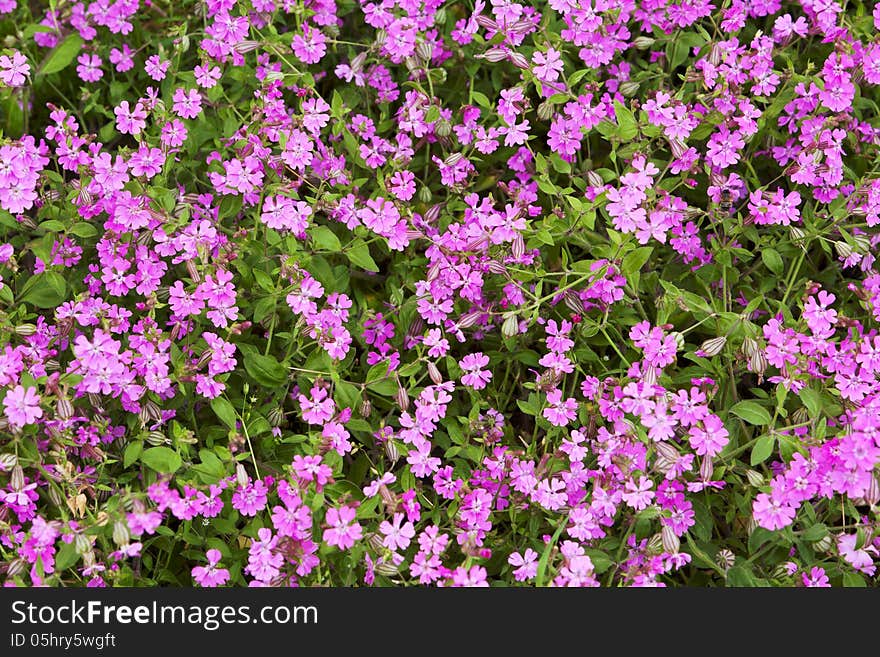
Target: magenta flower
x,y
475,376
397,536
14,69
343,529
211,575
22,407
560,412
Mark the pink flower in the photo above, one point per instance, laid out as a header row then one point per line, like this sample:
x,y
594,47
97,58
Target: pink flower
x,y
397,536
130,121
14,69
187,103
22,407
526,564
343,529
558,412
310,46
475,376
89,68
211,575
771,514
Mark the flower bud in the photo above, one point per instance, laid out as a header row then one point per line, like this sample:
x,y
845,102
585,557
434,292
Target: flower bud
x,y
546,110
241,475
54,496
655,544
366,407
357,64
425,194
8,461
425,50
63,408
872,495
387,568
402,398
844,250
121,534
510,327
713,346
469,319
246,46
488,23
671,542
16,479
276,416
629,88
679,340
391,451
434,373
375,541
758,364
442,128
494,55
16,567
25,330
518,59
749,346
643,42
707,467
595,179
755,478
156,438
518,248
725,559
495,267
824,544
82,543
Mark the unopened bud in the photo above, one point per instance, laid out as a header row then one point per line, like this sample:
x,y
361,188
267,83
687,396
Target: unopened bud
x,y
469,319
16,479
629,88
16,567
82,543
488,23
121,533
25,330
655,544
755,478
518,59
156,438
366,407
276,416
241,475
518,248
707,467
402,398
54,496
246,46
387,568
749,347
844,250
872,495
510,327
643,42
434,373
713,346
357,64
442,128
63,408
7,461
425,194
679,340
391,451
425,50
494,55
725,559
546,110
375,541
671,542
824,544
595,179
495,267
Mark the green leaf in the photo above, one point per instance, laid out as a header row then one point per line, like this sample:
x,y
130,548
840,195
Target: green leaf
x,y
83,229
132,452
633,263
326,238
752,412
812,400
359,254
224,410
815,533
627,127
61,55
772,260
45,290
161,459
265,370
740,576
763,449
